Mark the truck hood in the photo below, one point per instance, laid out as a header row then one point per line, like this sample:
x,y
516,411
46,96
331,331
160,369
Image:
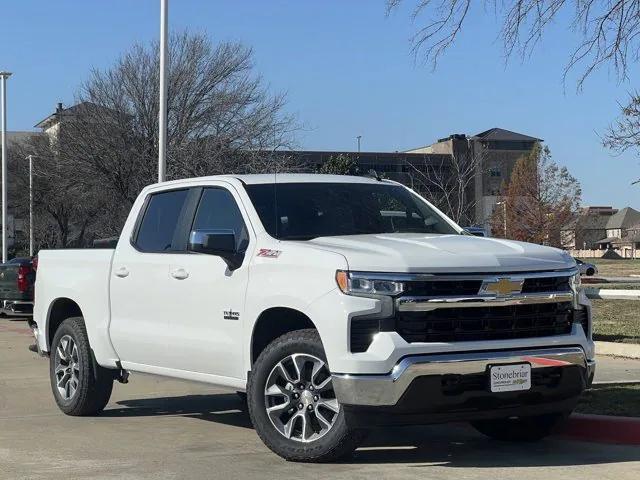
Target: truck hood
x,y
411,252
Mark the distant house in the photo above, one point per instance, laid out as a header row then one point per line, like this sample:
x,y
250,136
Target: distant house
x,y
587,228
86,112
619,235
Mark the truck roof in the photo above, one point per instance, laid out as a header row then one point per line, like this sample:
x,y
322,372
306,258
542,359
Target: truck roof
x,y
265,178
301,178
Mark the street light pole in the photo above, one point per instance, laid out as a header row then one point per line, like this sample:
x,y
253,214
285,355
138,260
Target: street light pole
x,y
358,138
504,216
162,134
30,157
3,99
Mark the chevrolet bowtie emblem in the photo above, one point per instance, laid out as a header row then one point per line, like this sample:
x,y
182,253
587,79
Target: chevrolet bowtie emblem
x,y
502,287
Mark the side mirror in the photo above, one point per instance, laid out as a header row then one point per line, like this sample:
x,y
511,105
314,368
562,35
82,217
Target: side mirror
x,y
221,243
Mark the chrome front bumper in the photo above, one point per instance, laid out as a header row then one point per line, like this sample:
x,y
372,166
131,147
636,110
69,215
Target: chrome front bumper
x,y
386,390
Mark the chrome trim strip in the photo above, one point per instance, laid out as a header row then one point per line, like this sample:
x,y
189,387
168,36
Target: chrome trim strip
x,y
422,304
379,390
436,277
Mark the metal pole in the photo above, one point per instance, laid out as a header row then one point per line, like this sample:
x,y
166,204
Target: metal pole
x,y
162,134
359,137
504,216
3,97
30,205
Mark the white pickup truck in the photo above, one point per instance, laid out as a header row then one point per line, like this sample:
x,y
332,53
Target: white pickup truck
x,y
337,303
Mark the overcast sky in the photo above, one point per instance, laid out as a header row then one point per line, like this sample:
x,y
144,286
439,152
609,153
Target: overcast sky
x,y
348,71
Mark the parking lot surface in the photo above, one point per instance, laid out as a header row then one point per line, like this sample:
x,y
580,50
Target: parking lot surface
x,y
155,428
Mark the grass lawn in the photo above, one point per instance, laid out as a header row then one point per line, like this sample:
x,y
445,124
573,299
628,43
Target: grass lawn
x,y
615,268
616,320
619,400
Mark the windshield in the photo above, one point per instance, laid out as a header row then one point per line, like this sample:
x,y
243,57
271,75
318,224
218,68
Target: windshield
x,y
310,210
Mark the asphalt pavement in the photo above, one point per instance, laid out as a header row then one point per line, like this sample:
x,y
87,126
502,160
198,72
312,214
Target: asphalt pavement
x,y
155,428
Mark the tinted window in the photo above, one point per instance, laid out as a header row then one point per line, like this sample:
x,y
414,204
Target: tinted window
x,y
309,210
158,227
218,211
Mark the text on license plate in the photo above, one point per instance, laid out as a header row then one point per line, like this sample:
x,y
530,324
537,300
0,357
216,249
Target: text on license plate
x,y
509,378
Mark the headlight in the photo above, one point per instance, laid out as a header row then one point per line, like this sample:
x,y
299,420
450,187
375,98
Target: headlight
x,y
364,284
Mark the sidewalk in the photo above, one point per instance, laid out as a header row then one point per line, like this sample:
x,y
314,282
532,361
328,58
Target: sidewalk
x,y
615,369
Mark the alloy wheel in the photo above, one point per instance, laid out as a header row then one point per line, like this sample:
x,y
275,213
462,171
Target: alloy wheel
x,y
67,367
299,398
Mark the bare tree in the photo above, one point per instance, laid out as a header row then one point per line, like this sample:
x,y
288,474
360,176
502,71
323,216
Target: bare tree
x,y
624,134
608,30
540,199
221,118
67,213
449,183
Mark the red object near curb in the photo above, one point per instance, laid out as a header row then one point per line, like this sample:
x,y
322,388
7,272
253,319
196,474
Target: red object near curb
x,y
603,429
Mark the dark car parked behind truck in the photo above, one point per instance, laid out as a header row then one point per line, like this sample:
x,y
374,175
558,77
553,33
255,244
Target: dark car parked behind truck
x,y
17,278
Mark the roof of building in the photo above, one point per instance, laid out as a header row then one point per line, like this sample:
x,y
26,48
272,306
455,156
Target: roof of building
x,y
588,221
624,218
608,240
504,135
634,227
81,107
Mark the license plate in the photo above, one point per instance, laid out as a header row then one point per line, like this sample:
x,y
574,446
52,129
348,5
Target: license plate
x,y
510,378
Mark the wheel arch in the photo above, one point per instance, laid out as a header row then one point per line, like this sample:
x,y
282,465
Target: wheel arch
x,y
59,310
274,322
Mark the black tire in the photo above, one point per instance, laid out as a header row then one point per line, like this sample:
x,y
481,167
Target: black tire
x,y
338,442
525,429
590,272
95,383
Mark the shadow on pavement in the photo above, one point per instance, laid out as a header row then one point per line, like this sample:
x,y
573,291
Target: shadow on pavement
x,y
453,445
222,408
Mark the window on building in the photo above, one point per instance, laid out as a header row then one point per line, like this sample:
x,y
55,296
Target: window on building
x,y
495,172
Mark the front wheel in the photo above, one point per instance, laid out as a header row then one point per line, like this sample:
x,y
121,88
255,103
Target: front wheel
x,y
80,386
520,429
292,403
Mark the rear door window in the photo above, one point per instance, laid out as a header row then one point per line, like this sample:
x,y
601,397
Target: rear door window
x,y
158,229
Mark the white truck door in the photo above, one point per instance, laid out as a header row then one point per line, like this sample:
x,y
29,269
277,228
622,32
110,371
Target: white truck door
x,y
140,286
206,322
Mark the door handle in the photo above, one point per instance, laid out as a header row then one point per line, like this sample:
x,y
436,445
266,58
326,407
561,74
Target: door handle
x,y
122,272
180,274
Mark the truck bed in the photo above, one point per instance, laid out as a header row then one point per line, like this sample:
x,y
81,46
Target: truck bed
x,y
82,275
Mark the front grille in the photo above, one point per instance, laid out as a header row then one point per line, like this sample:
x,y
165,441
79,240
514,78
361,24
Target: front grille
x,y
452,288
442,288
546,284
485,323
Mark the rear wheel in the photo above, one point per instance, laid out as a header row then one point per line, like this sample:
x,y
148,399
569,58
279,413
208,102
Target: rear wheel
x,y
80,386
525,429
292,403
590,272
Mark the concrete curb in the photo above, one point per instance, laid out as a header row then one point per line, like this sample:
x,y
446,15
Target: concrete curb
x,y
611,294
602,429
627,350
